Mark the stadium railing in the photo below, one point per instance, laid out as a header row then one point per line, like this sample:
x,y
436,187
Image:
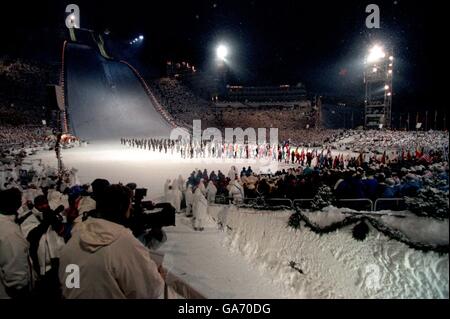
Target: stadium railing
x,y
359,204
394,204
302,203
278,202
356,204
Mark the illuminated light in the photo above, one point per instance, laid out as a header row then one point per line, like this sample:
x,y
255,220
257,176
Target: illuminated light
x,y
391,58
141,37
386,87
390,65
222,52
389,94
375,54
390,71
374,70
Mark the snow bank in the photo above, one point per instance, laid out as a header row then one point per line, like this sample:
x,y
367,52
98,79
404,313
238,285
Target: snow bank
x,y
333,265
420,229
328,216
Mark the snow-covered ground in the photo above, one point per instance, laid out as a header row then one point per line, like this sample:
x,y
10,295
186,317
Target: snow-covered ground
x,y
204,261
119,163
333,265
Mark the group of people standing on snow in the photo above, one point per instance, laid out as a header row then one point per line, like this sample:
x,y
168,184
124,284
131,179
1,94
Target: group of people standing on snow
x,y
192,196
193,200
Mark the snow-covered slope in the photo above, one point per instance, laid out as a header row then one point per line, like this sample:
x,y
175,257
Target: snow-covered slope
x,y
106,100
333,265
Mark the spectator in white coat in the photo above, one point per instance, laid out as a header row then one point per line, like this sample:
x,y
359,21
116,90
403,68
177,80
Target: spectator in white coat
x,y
43,228
174,197
181,183
232,173
200,208
113,263
166,187
236,191
15,273
211,192
189,200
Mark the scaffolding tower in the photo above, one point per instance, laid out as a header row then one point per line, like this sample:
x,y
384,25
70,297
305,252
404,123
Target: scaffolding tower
x,y
378,73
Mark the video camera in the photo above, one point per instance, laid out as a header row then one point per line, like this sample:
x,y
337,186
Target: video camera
x,y
148,217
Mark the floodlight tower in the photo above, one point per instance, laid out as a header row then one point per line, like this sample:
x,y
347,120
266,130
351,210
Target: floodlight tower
x,y
378,73
222,52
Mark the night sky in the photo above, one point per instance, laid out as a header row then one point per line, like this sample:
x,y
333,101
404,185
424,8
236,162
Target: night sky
x,y
319,43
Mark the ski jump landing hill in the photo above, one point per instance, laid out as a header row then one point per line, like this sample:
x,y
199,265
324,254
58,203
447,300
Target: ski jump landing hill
x,y
107,98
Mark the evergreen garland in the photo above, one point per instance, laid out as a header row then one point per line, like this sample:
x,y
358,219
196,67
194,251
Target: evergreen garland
x,y
323,198
360,231
294,220
430,201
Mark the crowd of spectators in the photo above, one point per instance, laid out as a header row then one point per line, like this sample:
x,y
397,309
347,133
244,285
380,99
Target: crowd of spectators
x,y
376,141
355,180
24,90
185,106
23,136
48,222
181,103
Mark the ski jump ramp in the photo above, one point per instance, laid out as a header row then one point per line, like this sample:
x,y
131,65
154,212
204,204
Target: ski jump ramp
x,y
106,100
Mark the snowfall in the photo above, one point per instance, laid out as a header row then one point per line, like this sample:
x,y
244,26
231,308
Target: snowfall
x,y
245,253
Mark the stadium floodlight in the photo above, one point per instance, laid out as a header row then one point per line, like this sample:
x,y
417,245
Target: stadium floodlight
x,y
222,52
141,37
376,53
386,87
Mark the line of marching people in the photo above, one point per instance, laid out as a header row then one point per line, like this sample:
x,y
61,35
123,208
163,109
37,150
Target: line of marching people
x,y
282,152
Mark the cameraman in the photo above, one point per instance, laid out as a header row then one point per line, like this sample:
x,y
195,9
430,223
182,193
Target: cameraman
x,y
112,262
43,228
148,219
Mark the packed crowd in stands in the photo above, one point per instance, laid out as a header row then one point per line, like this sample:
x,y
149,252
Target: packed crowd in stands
x,y
24,90
181,103
376,141
18,115
185,106
23,136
